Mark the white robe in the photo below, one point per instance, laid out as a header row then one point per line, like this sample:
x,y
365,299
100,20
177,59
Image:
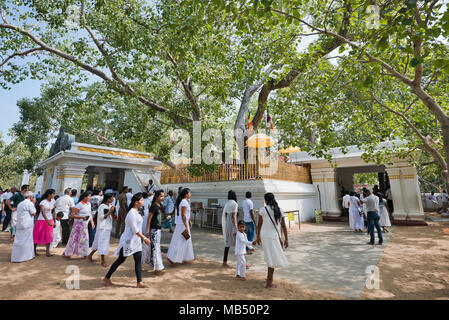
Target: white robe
x,y
23,246
355,220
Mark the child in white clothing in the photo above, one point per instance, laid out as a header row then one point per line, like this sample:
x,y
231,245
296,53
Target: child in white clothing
x,y
57,231
241,242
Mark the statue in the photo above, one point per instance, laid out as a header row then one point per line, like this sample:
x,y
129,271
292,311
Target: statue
x,y
63,142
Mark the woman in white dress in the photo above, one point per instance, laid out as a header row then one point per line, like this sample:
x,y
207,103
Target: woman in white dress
x,y
23,246
356,221
104,226
384,220
146,210
229,224
180,249
271,218
131,242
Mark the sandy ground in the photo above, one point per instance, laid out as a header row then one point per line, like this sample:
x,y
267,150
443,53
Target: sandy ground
x,y
202,279
415,265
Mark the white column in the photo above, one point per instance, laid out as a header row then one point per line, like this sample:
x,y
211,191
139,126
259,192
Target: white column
x,y
411,194
394,175
70,176
333,208
318,183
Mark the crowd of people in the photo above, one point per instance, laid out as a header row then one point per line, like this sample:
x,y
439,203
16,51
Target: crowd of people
x,y
368,209
84,225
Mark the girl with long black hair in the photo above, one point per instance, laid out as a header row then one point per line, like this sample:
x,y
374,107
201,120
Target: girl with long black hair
x,y
104,226
229,224
181,249
131,242
78,243
152,254
43,229
271,218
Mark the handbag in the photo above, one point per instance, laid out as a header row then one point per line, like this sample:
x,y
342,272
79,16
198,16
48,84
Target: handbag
x,y
186,234
275,227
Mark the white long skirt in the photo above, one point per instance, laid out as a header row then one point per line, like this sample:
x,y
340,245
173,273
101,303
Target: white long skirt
x,y
274,255
384,220
180,249
359,222
23,246
352,213
101,241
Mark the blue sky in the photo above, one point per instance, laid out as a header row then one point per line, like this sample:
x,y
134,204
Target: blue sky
x,y
9,112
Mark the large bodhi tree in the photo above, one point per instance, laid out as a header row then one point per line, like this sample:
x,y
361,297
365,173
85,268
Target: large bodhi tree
x,y
405,43
182,63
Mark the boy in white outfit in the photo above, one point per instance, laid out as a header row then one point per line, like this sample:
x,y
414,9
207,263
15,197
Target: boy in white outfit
x,y
241,242
57,231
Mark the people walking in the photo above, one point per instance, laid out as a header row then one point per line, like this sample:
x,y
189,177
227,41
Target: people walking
x,y
102,238
131,242
249,219
43,229
373,217
229,224
152,254
270,221
181,247
23,246
78,243
65,204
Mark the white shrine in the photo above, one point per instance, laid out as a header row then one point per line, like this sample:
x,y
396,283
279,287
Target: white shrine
x,y
329,178
70,161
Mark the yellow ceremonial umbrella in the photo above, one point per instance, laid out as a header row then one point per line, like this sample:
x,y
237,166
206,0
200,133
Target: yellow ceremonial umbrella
x,y
260,140
290,150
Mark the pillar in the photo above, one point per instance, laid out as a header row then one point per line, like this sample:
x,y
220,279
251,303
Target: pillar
x,y
326,180
70,176
405,192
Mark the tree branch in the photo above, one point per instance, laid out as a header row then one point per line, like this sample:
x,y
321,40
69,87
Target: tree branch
x,y
24,53
435,153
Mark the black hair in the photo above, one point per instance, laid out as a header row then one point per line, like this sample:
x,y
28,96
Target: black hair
x,y
352,193
130,189
96,192
181,197
85,194
271,201
44,197
124,188
241,223
248,195
24,187
106,197
170,193
144,195
74,192
60,214
232,195
157,193
134,199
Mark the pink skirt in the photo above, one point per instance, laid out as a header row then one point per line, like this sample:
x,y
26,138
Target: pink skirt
x,y
43,233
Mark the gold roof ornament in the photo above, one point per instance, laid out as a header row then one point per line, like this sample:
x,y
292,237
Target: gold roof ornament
x,y
260,140
290,150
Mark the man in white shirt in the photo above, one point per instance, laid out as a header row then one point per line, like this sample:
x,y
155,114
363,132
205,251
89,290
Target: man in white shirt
x,y
345,202
248,218
129,197
151,188
372,206
65,204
